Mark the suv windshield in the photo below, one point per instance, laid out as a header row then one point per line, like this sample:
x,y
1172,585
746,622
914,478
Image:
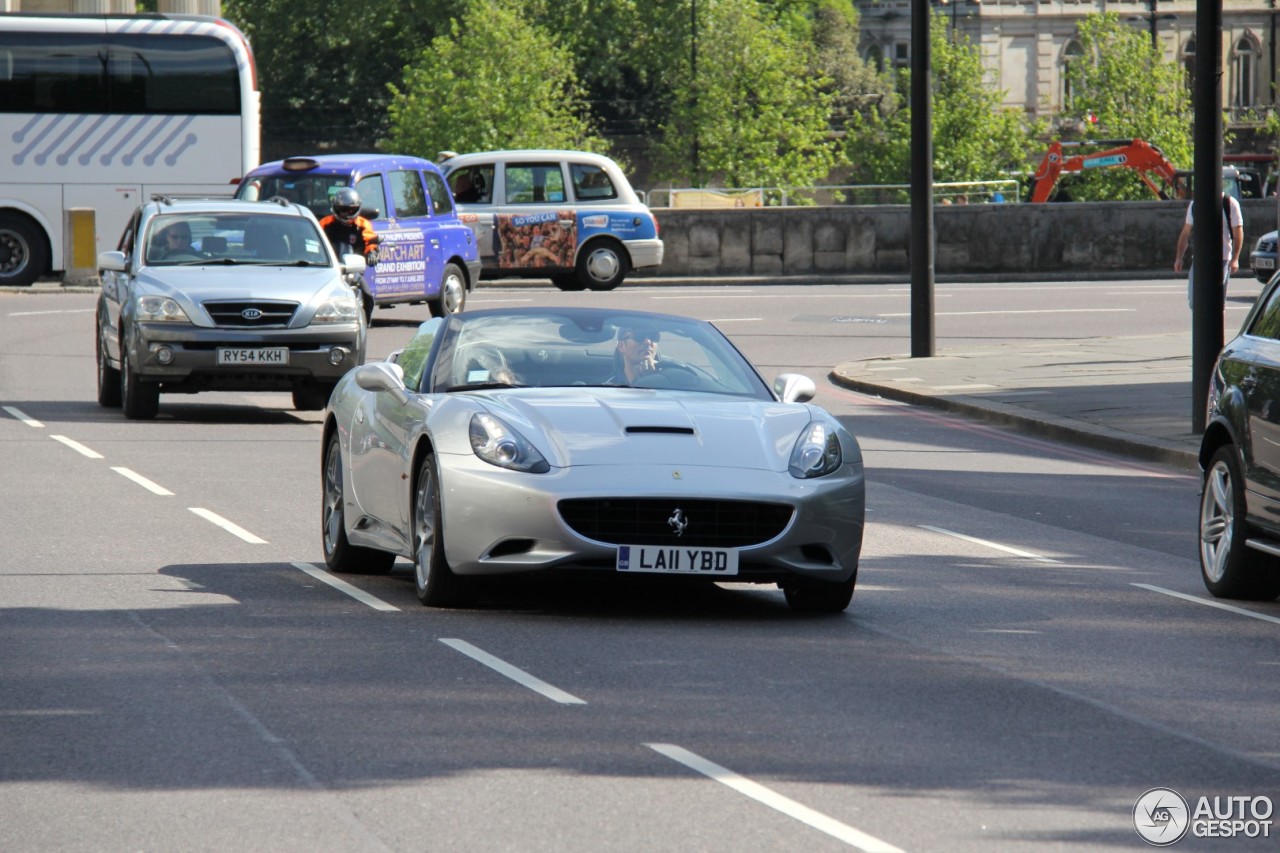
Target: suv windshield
x,y
176,239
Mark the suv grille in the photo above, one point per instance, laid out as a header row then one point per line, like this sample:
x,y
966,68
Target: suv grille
x,y
261,313
645,521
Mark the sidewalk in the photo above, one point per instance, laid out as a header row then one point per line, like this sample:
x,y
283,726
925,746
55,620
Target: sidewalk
x,y
1125,395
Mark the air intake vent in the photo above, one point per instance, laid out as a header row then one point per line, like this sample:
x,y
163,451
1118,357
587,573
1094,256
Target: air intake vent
x,y
659,430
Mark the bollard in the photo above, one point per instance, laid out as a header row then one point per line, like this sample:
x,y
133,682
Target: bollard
x,y
80,246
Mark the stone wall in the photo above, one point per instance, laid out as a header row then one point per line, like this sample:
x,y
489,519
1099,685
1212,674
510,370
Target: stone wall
x,y
1032,239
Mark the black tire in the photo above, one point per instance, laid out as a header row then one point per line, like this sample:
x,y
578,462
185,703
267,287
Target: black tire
x,y
366,302
339,554
139,400
810,596
435,582
108,376
312,396
1229,568
453,293
568,282
24,255
602,265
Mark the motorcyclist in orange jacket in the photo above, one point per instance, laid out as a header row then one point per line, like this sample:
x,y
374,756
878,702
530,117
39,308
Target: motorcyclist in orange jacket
x,y
348,231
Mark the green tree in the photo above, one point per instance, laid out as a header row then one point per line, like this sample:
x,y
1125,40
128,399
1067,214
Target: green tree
x,y
1135,94
497,80
974,138
324,67
753,113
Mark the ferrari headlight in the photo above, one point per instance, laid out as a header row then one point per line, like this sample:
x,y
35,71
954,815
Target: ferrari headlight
x,y
160,309
498,444
817,452
339,309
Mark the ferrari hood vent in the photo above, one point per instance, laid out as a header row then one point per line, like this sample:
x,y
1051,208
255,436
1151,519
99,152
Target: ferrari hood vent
x,y
661,430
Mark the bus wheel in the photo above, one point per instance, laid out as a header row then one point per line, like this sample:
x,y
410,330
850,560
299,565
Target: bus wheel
x,y
23,256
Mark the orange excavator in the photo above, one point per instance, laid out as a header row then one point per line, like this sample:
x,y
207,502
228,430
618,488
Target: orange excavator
x,y
1143,157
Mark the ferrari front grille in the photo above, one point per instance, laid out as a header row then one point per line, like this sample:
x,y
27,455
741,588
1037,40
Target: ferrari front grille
x,y
675,521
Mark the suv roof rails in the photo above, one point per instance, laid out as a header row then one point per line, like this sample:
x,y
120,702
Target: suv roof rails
x,y
280,200
161,198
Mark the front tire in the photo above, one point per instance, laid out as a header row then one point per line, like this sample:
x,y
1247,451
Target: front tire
x,y
312,397
108,377
436,584
602,265
1228,567
805,595
339,554
568,282
139,400
453,293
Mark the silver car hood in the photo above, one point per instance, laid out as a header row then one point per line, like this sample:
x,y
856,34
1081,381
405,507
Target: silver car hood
x,y
195,284
624,426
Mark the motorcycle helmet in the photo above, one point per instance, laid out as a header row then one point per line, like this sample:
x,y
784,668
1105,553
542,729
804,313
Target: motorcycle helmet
x,y
345,204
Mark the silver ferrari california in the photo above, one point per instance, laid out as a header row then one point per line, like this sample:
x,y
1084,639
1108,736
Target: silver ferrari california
x,y
575,439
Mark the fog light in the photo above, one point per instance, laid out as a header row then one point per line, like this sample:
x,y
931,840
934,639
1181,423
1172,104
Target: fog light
x,y
337,355
164,355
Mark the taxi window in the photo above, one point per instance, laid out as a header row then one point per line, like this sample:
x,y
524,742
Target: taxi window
x,y
591,182
441,199
534,183
407,194
372,195
1267,324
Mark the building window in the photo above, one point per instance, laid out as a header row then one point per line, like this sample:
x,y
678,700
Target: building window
x,y
901,54
1070,55
875,58
1244,62
1189,65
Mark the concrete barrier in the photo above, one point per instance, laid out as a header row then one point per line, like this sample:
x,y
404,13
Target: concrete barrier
x,y
1029,239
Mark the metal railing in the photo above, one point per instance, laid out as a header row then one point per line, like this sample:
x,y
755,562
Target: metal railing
x,y
952,192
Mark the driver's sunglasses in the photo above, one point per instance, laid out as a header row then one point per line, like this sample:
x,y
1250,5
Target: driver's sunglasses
x,y
179,235
641,335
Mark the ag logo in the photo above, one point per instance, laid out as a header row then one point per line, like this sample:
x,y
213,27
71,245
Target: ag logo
x,y
1161,816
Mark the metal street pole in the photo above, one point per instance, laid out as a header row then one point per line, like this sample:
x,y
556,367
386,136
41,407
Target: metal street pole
x,y
1206,238
922,336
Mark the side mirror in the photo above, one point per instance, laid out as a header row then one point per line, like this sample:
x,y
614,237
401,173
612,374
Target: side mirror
x,y
380,376
354,265
114,261
794,388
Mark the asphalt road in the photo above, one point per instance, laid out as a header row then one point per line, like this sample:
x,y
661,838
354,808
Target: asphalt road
x,y
1030,648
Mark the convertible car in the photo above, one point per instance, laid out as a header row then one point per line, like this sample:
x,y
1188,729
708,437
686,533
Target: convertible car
x,y
573,439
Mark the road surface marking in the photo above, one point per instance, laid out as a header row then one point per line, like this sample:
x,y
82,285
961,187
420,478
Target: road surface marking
x,y
516,674
342,586
1217,604
789,807
988,544
38,313
1026,311
142,481
77,447
233,529
22,416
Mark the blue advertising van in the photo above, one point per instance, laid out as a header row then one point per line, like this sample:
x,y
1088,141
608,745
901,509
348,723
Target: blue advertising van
x,y
569,216
427,254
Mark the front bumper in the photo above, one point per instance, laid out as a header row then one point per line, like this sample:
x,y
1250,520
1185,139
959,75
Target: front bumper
x,y
191,363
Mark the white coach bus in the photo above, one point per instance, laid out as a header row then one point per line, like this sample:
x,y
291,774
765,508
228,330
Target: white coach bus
x,y
99,112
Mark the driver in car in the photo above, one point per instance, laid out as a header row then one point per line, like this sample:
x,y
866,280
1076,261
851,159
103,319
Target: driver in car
x,y
636,356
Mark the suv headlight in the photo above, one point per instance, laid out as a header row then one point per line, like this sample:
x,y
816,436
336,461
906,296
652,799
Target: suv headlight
x,y
817,452
160,309
338,309
498,444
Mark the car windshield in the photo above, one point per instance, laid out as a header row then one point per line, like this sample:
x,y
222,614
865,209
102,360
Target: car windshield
x,y
555,348
311,191
230,238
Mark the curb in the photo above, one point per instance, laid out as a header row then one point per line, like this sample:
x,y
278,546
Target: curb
x,y
1037,423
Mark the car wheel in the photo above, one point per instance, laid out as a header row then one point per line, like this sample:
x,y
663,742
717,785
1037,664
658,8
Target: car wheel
x,y
453,293
1228,567
436,583
23,255
140,400
812,596
603,265
339,554
568,281
1264,276
311,396
108,378
366,302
